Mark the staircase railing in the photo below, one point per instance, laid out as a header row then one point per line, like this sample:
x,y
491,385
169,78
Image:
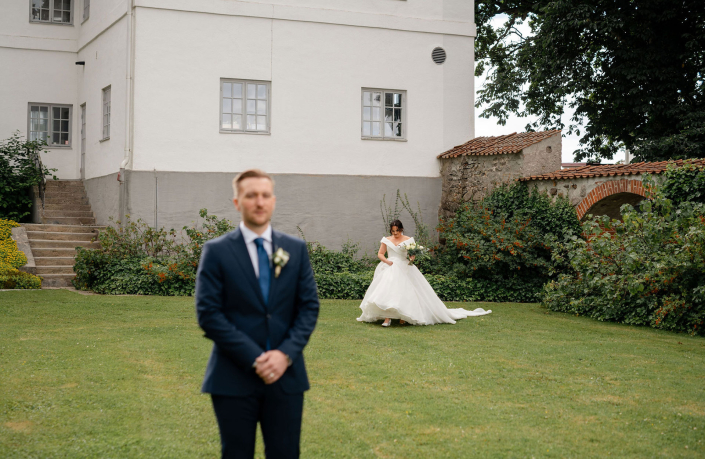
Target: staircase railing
x,y
40,167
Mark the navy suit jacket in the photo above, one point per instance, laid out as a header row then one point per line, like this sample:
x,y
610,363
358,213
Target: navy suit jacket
x,y
231,310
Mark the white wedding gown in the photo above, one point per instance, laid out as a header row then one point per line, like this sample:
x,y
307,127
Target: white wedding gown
x,y
400,291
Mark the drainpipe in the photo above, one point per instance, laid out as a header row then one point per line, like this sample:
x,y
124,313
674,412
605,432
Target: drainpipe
x,y
129,95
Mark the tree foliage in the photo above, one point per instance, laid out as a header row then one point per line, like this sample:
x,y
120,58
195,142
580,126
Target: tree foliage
x,y
632,70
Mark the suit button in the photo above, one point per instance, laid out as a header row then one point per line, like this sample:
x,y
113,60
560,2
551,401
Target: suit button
x,y
269,316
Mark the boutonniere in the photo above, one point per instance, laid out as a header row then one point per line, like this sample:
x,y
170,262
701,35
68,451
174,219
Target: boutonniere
x,y
280,259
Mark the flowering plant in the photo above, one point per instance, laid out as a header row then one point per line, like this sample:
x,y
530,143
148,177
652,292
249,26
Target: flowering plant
x,y
280,259
416,251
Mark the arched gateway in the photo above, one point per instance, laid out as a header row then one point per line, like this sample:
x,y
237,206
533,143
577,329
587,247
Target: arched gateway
x,y
601,189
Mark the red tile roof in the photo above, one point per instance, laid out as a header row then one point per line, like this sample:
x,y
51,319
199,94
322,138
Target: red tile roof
x,y
605,170
500,145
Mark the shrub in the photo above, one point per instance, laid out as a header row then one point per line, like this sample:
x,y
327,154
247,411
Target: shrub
x,y
138,259
506,241
12,258
685,184
648,269
18,173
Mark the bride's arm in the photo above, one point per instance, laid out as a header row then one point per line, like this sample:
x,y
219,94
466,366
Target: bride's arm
x,y
380,254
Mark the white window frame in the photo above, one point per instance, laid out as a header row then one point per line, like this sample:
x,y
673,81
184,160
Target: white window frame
x,y
50,124
243,113
86,9
83,128
51,14
404,109
106,92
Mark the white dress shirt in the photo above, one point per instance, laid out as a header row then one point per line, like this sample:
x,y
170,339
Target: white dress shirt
x,y
250,237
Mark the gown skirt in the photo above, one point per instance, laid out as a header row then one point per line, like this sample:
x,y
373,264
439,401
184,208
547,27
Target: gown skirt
x,y
400,291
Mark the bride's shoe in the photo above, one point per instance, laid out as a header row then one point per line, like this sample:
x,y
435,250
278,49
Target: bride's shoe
x,y
387,323
402,322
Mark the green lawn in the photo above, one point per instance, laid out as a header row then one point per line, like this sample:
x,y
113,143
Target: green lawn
x,y
117,377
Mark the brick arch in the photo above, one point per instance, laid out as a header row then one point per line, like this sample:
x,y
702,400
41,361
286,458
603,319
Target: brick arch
x,y
607,189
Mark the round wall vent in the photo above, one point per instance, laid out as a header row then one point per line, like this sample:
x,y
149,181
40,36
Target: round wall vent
x,y
438,55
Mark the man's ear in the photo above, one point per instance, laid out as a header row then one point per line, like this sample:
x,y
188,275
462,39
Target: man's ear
x,y
237,204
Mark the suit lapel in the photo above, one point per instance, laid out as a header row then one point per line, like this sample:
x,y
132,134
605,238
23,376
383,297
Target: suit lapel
x,y
242,256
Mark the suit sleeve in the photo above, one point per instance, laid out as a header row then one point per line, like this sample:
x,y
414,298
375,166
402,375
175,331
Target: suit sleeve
x,y
209,309
307,310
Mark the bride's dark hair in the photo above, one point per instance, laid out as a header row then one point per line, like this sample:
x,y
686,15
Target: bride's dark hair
x,y
396,223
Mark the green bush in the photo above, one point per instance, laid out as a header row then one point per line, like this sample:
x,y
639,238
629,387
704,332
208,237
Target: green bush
x,y
648,269
18,173
343,285
11,278
685,184
138,259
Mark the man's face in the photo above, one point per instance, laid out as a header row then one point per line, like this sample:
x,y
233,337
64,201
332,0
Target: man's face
x,y
255,201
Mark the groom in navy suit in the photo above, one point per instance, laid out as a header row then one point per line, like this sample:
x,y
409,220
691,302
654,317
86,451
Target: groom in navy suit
x,y
257,300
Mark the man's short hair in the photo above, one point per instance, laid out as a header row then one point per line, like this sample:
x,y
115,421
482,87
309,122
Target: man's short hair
x,y
251,173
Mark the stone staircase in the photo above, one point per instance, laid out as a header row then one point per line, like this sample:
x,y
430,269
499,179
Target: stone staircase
x,y
67,223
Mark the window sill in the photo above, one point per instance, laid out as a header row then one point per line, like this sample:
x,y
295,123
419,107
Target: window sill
x,y
246,132
58,147
52,23
388,139
104,140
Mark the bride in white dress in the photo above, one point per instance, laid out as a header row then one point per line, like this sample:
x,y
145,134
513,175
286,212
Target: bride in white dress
x,y
400,291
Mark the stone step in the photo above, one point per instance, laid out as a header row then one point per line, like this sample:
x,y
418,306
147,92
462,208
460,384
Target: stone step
x,y
64,192
52,200
43,270
54,244
63,228
51,184
87,221
61,236
66,213
66,206
57,280
54,261
54,252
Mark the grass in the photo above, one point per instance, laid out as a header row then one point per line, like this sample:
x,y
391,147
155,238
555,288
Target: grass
x,y
99,376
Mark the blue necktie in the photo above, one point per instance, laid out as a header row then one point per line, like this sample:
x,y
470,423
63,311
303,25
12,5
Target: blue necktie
x,y
265,274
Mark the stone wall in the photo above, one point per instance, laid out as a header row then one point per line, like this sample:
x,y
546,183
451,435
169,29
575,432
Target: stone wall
x,y
470,178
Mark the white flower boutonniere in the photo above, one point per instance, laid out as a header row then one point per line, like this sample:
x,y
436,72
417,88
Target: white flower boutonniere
x,y
280,259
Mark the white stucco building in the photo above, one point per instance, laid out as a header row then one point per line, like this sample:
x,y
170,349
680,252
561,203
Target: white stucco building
x,y
156,104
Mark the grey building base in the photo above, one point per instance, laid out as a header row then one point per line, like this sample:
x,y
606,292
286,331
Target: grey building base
x,y
329,209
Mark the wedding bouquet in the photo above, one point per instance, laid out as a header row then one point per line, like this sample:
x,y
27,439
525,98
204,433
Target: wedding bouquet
x,y
417,251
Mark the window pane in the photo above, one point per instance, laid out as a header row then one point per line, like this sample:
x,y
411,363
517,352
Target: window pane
x,y
376,113
237,105
251,107
397,99
366,129
237,89
376,99
251,122
251,89
45,17
34,108
388,114
64,126
261,107
375,129
397,114
388,99
388,129
57,113
57,18
397,129
43,124
367,98
366,113
56,126
66,16
44,112
64,138
227,106
65,113
227,121
237,122
227,89
57,4
261,91
33,136
261,123
67,5
55,138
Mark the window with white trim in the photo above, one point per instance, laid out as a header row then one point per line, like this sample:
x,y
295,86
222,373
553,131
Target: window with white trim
x,y
106,113
51,11
244,106
383,114
50,123
86,9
